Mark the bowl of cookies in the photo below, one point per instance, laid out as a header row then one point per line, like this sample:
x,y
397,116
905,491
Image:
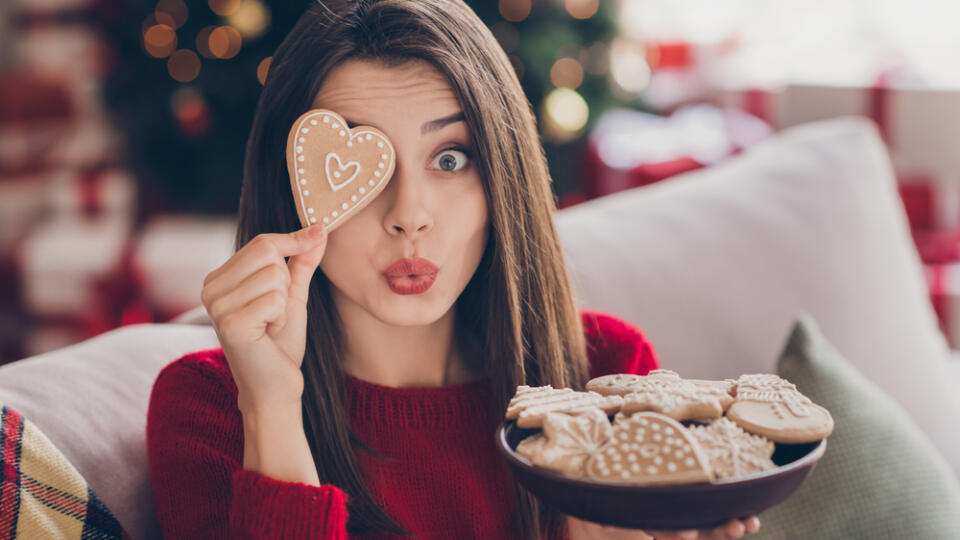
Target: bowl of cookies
x,y
660,452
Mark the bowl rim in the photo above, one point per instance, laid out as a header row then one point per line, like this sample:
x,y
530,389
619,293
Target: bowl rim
x,y
517,460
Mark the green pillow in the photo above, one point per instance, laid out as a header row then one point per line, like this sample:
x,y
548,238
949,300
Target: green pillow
x,y
880,476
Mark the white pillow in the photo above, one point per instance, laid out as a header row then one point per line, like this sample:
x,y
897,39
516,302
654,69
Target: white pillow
x,y
714,265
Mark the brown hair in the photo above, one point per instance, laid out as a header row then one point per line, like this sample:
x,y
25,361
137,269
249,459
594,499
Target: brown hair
x,y
519,302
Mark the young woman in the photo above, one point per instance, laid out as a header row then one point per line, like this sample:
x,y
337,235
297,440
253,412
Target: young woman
x,y
348,398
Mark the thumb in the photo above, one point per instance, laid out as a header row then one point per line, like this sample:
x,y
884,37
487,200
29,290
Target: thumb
x,y
303,265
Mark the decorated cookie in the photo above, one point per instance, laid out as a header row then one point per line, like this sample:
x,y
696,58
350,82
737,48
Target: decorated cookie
x,y
648,448
568,440
531,404
732,451
665,392
773,407
335,171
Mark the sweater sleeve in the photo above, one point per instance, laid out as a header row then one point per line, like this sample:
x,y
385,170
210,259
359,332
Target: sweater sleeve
x,y
195,451
616,346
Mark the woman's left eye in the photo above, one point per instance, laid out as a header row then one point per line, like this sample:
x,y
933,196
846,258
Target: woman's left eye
x,y
450,160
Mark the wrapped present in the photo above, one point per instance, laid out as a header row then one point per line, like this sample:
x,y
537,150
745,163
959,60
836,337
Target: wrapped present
x,y
92,191
630,148
174,254
61,260
37,113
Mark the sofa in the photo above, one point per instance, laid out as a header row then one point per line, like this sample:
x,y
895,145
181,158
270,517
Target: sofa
x,y
713,266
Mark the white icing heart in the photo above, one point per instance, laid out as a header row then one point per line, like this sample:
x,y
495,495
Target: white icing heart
x,y
341,168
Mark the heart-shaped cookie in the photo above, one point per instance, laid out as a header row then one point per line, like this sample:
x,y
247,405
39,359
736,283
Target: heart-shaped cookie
x,y
335,171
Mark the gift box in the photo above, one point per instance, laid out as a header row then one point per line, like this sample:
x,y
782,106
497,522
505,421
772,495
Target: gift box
x,y
173,256
93,191
61,261
629,149
37,113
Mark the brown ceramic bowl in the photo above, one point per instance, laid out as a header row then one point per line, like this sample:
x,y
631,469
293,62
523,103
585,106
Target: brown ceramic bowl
x,y
673,507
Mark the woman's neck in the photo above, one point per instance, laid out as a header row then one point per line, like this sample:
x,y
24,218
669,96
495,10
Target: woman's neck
x,y
407,356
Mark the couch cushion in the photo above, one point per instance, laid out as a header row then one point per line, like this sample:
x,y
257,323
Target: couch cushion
x,y
880,477
91,400
714,264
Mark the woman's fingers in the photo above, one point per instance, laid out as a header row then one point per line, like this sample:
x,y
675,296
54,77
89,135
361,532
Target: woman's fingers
x,y
272,277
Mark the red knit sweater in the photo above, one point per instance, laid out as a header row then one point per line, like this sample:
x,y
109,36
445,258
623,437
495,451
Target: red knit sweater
x,y
447,479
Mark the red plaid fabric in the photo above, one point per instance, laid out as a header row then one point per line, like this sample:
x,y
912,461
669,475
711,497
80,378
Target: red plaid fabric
x,y
41,494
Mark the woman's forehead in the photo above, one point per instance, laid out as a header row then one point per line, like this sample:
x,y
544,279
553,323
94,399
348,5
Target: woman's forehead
x,y
365,90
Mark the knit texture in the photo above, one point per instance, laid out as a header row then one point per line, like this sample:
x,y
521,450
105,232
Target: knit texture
x,y
443,477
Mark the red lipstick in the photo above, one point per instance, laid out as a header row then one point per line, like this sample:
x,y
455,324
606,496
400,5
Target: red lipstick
x,y
410,276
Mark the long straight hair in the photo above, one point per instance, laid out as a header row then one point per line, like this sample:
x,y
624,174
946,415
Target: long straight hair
x,y
519,303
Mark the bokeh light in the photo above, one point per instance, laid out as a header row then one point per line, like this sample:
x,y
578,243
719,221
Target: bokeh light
x,y
507,35
514,10
172,13
251,18
566,73
203,41
565,114
159,41
263,68
595,58
224,8
628,67
224,42
582,9
184,65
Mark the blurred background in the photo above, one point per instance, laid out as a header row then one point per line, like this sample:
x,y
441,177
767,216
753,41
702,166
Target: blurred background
x,y
123,124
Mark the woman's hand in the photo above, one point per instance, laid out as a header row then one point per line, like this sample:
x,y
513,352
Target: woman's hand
x,y
585,530
257,303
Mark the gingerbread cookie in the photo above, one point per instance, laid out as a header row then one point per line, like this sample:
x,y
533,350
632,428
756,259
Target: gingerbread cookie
x,y
773,407
567,440
648,448
665,392
732,451
335,171
530,404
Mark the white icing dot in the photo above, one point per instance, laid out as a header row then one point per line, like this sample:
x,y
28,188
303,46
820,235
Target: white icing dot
x,y
624,474
369,136
617,466
678,454
349,143
371,182
669,431
326,220
300,171
313,122
313,219
635,468
336,174
655,427
300,158
353,198
334,213
302,139
303,181
376,173
306,192
657,460
671,466
379,145
689,462
379,165
326,119
345,206
651,470
363,190
309,210
334,125
299,149
657,437
342,133
383,156
304,130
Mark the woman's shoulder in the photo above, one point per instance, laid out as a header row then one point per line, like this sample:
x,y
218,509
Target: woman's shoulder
x,y
204,368
615,345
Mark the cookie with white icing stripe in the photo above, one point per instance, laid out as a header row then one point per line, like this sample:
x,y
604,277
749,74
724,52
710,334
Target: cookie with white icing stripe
x,y
732,451
531,404
648,448
335,171
773,407
666,392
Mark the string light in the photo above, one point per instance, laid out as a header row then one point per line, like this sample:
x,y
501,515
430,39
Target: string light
x,y
263,68
203,41
629,68
224,42
224,8
582,9
514,10
565,114
172,13
184,65
566,73
251,18
159,41
507,35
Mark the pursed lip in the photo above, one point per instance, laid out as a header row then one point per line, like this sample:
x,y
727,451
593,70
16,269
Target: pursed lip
x,y
410,267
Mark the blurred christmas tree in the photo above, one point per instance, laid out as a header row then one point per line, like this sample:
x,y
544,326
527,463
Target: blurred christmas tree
x,y
188,75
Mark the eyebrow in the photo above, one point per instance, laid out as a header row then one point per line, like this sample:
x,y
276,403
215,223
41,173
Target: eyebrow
x,y
432,125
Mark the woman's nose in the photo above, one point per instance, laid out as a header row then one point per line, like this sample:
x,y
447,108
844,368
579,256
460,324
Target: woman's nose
x,y
408,204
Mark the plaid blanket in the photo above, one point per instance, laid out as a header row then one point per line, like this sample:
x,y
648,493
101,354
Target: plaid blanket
x,y
41,494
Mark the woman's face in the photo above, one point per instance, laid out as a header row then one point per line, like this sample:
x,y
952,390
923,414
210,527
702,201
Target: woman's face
x,y
434,206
